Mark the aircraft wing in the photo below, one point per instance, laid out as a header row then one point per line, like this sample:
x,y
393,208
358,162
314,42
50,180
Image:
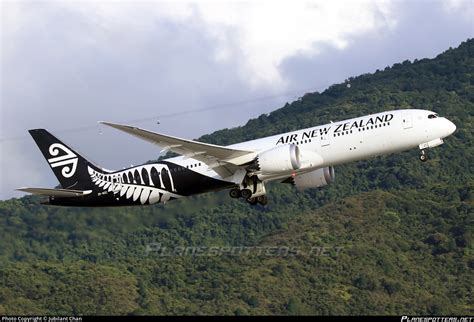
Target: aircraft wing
x,y
55,192
221,159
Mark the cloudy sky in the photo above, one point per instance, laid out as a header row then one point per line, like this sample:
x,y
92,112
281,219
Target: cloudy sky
x,y
194,66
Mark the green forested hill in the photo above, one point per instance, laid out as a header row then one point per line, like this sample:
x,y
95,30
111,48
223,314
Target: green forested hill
x,y
397,232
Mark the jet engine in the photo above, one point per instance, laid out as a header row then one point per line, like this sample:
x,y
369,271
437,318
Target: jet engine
x,y
314,179
283,158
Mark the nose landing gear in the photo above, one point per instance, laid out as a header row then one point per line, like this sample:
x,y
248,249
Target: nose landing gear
x,y
423,155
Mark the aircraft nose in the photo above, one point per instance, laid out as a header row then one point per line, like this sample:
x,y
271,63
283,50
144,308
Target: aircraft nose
x,y
450,127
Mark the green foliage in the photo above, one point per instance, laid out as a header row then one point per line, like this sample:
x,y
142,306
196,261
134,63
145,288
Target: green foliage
x,y
405,229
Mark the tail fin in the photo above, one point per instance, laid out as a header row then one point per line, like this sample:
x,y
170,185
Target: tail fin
x,y
70,167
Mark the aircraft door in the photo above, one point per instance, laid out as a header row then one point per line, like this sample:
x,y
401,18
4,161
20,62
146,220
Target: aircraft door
x,y
324,138
407,121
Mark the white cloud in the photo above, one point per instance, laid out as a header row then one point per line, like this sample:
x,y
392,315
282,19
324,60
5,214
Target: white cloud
x,y
462,8
255,35
261,34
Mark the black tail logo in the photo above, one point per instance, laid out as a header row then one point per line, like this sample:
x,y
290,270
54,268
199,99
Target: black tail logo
x,y
69,166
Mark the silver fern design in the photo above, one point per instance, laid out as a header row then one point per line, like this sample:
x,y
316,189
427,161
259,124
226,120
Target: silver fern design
x,y
68,160
147,184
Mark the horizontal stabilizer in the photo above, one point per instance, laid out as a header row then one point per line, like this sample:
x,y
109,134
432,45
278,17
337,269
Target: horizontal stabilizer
x,y
56,192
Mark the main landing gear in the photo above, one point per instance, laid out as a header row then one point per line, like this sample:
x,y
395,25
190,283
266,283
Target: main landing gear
x,y
251,189
263,200
235,193
423,155
247,195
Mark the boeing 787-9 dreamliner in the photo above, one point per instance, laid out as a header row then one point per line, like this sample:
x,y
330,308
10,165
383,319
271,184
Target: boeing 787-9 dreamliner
x,y
305,158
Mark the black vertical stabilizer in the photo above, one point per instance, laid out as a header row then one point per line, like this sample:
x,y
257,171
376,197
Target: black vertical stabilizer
x,y
69,166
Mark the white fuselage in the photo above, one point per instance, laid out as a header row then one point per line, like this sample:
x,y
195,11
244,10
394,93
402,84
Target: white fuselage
x,y
349,140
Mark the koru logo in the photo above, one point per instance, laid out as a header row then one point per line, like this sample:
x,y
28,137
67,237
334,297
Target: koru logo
x,y
68,161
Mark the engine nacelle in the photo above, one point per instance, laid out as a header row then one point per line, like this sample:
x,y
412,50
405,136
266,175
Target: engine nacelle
x,y
314,179
283,158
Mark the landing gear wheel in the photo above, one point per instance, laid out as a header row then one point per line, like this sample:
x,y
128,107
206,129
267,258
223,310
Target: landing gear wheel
x,y
234,193
252,201
423,155
246,193
263,200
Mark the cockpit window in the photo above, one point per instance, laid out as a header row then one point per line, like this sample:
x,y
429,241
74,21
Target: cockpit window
x,y
433,116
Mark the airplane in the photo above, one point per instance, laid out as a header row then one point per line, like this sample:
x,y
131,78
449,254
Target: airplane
x,y
304,158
